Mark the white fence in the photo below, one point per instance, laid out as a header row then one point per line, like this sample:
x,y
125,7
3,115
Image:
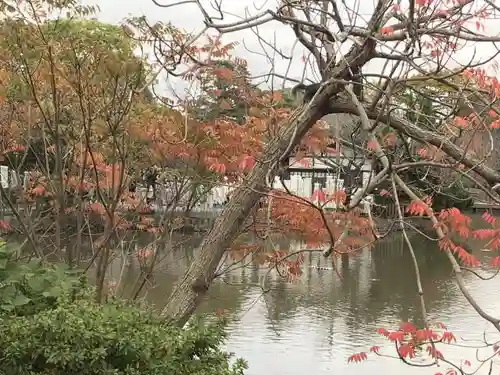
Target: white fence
x,y
9,178
297,184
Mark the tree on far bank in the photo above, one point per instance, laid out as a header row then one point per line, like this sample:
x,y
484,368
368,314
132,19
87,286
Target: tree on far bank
x,y
224,91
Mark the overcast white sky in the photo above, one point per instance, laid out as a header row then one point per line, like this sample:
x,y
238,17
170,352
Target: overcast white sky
x,y
189,18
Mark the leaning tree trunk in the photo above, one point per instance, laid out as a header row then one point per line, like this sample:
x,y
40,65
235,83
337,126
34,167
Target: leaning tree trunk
x,y
195,282
191,288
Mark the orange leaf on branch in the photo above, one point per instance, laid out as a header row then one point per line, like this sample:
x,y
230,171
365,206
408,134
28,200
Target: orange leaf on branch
x,y
456,221
293,215
461,122
422,2
318,195
406,350
338,197
5,227
247,162
463,255
371,145
387,30
218,168
358,357
418,208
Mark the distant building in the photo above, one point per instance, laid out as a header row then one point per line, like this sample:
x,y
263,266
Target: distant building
x,y
348,170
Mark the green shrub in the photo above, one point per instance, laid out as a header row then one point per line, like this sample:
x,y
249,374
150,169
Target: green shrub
x,y
84,337
31,286
50,324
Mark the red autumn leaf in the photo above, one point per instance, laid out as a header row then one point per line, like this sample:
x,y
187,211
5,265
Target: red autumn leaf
x,y
417,208
384,193
218,168
338,196
383,332
433,352
495,125
468,73
318,195
422,152
396,336
97,208
247,162
407,327
406,350
144,253
440,325
387,30
448,337
371,145
461,122
39,190
484,234
495,262
488,218
426,334
277,97
358,357
4,226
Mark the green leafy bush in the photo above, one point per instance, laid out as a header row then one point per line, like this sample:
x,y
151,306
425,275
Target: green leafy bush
x,y
50,324
84,337
31,286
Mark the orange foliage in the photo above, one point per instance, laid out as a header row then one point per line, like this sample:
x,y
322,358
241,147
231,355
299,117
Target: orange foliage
x,y
104,157
302,218
408,338
419,207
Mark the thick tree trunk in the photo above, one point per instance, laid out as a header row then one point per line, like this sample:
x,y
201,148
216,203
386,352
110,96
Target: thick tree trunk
x,y
193,285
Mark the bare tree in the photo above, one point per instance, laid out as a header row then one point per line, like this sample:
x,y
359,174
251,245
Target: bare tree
x,y
416,44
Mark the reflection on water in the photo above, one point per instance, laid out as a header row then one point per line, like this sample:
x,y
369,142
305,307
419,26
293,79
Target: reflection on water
x,y
312,326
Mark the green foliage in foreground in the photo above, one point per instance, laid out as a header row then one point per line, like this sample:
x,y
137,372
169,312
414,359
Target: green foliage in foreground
x,y
75,335
27,287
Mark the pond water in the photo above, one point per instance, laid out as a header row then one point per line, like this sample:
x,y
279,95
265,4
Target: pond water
x,y
313,325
